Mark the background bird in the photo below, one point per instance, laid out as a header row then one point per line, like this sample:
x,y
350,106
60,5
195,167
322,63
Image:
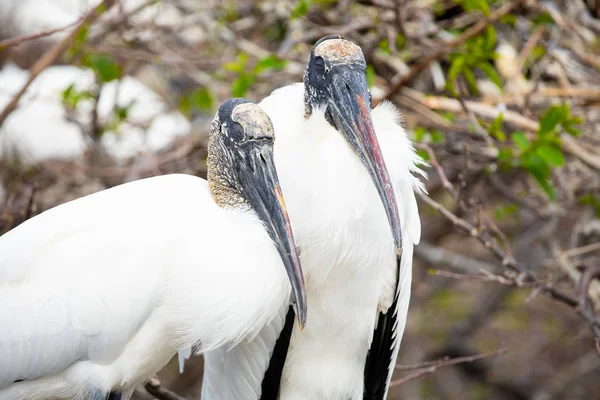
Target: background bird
x,y
98,294
349,218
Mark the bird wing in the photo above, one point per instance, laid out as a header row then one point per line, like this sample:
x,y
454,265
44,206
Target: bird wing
x,y
240,372
401,161
79,280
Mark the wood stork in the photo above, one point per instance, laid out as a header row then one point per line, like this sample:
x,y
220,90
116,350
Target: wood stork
x,y
333,155
98,294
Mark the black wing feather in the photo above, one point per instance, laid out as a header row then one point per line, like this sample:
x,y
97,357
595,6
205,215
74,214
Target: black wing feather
x,y
378,367
272,379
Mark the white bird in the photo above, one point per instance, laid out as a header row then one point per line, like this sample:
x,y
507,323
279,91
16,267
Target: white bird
x,y
98,294
333,156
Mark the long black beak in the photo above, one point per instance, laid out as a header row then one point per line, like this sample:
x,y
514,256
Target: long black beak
x,y
259,181
349,109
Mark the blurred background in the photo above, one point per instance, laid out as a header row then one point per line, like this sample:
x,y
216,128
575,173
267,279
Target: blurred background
x,y
501,97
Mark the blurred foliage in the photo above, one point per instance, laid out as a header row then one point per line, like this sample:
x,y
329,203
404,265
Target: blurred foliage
x,y
477,52
543,152
246,78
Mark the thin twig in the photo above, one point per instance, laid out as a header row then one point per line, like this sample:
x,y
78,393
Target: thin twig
x,y
578,251
15,41
53,54
445,363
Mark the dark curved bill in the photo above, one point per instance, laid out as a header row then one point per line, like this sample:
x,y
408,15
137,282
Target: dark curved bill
x,y
350,111
262,189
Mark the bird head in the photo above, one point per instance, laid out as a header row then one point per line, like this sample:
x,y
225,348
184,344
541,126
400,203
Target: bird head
x,y
335,82
242,175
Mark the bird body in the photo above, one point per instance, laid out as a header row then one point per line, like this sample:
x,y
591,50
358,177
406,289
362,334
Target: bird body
x,y
347,253
98,294
67,296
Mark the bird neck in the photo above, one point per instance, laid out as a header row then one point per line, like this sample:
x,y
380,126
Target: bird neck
x,y
220,180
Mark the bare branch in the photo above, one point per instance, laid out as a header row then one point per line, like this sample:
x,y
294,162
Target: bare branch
x,y
15,41
53,54
435,365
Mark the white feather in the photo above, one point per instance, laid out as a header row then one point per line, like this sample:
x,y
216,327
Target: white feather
x,y
100,293
347,250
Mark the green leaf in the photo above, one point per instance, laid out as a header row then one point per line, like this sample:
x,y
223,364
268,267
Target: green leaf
x,y
104,66
437,137
185,106
495,128
121,113
384,46
490,38
424,154
509,19
455,69
543,18
491,73
420,133
270,62
202,99
68,92
400,41
570,129
521,141
551,118
535,164
301,9
538,168
505,154
477,5
470,78
551,155
545,185
239,65
504,211
370,75
240,86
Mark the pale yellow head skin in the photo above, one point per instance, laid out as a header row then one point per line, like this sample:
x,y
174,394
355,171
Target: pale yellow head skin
x,y
253,119
339,51
256,124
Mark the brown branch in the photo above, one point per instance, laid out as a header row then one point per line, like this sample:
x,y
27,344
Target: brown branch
x,y
53,54
433,159
447,48
15,41
484,276
578,251
586,309
499,253
154,387
435,365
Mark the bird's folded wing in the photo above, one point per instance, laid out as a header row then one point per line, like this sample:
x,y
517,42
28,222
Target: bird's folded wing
x,y
401,162
237,373
77,281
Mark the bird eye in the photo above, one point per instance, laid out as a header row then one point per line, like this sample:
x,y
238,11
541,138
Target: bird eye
x,y
320,66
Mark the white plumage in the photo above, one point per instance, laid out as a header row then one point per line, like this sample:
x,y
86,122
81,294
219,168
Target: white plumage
x,y
98,294
347,254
